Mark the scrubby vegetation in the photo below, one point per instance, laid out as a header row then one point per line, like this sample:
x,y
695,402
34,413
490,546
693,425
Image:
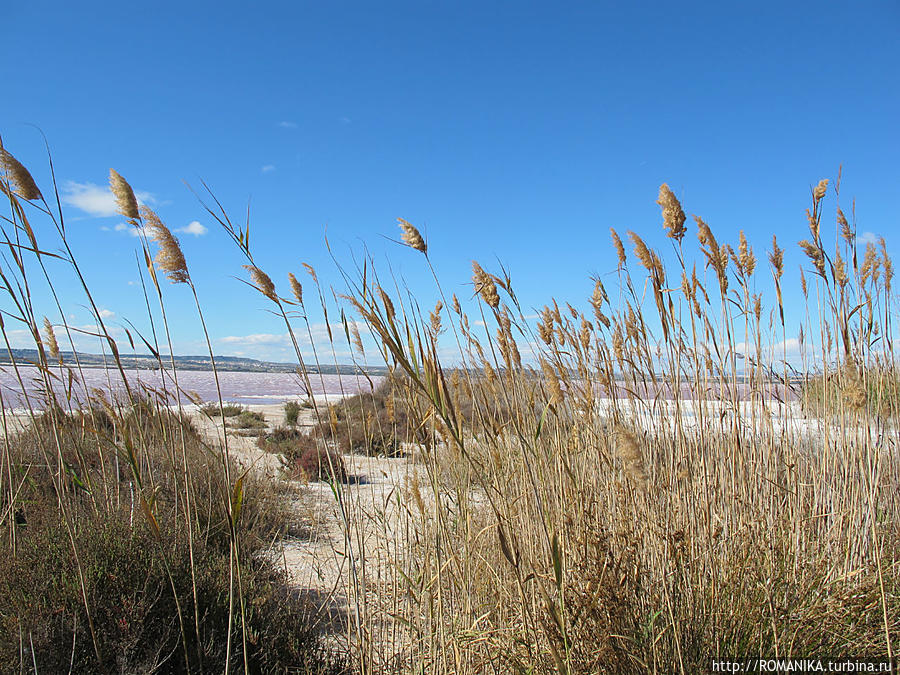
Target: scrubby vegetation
x,y
213,409
249,419
292,413
121,560
627,484
375,422
304,455
873,391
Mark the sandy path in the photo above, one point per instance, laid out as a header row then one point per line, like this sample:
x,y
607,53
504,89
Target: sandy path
x,y
354,528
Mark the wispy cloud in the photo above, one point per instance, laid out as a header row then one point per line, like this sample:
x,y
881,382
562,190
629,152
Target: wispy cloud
x,y
268,168
96,200
287,125
195,227
278,346
256,339
106,313
866,238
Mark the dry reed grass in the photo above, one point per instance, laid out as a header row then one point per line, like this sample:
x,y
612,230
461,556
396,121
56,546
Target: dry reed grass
x,y
648,495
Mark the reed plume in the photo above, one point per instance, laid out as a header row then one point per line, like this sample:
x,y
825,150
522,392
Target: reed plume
x,y
126,202
746,259
620,249
296,287
485,286
820,189
888,265
629,450
776,258
672,213
169,258
262,282
642,252
411,236
50,339
18,176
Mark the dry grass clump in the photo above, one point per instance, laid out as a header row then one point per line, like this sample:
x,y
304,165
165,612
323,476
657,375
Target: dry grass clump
x,y
379,422
624,485
303,455
213,409
646,498
852,390
154,588
249,419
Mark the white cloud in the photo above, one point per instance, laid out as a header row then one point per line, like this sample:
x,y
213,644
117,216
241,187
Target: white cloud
x,y
791,345
867,238
195,228
106,314
287,125
256,339
96,200
268,168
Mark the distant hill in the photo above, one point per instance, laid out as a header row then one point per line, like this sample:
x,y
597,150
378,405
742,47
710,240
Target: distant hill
x,y
223,363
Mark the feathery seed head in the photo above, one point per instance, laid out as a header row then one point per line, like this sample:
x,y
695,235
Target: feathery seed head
x,y
846,232
746,259
776,258
435,316
357,339
888,265
262,281
411,236
50,338
820,189
18,176
814,253
869,262
629,450
672,213
641,251
389,310
125,199
311,271
485,286
296,288
552,381
169,258
620,250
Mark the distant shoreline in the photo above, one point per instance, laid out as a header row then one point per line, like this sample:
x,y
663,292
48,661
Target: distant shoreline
x,y
235,364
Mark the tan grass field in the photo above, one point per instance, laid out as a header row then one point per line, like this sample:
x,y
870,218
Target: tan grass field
x,y
538,503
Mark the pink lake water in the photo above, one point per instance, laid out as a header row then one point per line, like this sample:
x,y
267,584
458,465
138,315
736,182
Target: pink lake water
x,y
237,387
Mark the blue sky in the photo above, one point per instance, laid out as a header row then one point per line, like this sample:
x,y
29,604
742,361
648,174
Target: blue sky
x,y
511,132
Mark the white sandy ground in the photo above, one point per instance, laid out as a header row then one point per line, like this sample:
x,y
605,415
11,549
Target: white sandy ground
x,y
318,563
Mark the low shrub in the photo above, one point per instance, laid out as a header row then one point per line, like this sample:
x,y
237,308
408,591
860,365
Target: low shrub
x,y
212,409
291,413
372,423
304,455
249,419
